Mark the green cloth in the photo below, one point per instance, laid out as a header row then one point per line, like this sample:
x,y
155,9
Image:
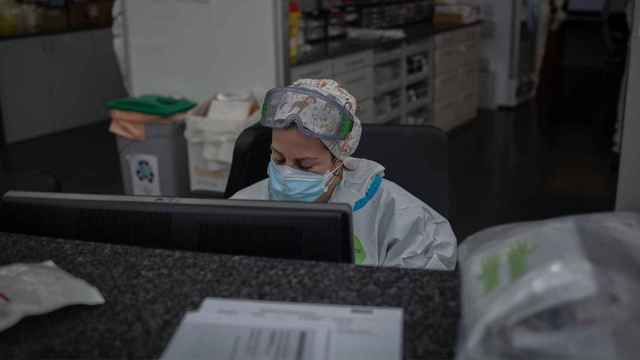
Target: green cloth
x,y
152,105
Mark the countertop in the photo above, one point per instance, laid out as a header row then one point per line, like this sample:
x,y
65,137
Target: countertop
x,y
148,291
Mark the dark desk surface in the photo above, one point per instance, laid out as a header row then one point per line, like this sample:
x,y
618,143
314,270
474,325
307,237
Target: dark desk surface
x,y
148,291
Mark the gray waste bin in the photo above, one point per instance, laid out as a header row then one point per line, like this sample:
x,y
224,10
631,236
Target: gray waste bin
x,y
157,165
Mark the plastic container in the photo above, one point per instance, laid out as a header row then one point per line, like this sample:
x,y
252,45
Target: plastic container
x,y
157,165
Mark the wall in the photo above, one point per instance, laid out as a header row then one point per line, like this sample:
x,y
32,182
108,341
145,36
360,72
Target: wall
x,y
57,82
197,48
629,176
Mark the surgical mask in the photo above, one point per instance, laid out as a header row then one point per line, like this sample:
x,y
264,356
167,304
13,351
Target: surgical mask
x,y
289,184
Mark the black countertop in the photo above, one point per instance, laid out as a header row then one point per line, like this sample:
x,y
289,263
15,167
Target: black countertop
x,y
337,48
148,291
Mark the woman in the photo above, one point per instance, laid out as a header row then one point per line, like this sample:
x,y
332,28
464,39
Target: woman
x,y
315,130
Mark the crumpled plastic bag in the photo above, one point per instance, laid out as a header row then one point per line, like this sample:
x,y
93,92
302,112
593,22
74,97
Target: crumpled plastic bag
x,y
34,289
565,288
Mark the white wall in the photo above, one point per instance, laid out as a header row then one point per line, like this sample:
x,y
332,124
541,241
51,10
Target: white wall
x,y
195,48
629,176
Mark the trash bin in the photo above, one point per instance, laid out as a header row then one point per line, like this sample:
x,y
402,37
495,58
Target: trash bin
x,y
151,146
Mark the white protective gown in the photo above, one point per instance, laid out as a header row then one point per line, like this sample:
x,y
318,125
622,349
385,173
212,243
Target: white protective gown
x,y
391,226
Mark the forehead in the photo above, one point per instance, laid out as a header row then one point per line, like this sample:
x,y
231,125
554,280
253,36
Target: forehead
x,y
294,144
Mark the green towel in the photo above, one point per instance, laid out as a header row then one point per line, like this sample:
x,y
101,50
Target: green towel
x,y
152,105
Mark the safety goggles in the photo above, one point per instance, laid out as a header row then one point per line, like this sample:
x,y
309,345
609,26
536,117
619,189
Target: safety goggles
x,y
315,114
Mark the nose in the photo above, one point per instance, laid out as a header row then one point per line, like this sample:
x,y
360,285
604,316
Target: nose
x,y
290,163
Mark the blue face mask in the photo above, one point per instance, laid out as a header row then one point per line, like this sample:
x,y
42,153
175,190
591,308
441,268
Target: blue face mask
x,y
289,184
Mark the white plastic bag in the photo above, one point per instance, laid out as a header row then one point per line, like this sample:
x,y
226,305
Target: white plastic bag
x,y
566,288
34,289
212,129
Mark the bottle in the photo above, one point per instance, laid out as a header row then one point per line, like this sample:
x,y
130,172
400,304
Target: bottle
x,y
294,30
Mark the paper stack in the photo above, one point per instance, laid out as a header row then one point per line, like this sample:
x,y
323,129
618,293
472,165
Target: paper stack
x,y
242,330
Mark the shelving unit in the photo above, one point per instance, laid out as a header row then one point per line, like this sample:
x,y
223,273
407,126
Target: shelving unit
x,y
400,68
389,117
400,55
388,86
412,79
412,106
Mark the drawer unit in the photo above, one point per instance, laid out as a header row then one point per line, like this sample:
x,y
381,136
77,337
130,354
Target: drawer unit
x,y
445,115
385,55
359,83
318,70
353,62
448,39
468,109
469,79
448,86
471,53
448,60
366,111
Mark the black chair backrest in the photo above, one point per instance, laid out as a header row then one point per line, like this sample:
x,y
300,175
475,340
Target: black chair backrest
x,y
415,157
251,156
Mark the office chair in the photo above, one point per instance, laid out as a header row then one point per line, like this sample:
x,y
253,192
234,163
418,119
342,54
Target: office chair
x,y
415,157
251,155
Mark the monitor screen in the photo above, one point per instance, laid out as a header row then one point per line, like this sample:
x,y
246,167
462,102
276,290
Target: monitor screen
x,y
301,231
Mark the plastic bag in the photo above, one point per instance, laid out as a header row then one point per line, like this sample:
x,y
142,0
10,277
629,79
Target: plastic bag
x,y
218,122
34,289
566,288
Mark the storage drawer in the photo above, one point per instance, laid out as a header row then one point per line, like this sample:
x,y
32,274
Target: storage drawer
x,y
366,111
450,39
353,62
445,115
318,70
466,34
477,32
448,86
471,53
469,105
448,60
470,80
386,55
359,83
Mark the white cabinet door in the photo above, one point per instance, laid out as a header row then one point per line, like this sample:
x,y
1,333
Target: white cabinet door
x,y
25,74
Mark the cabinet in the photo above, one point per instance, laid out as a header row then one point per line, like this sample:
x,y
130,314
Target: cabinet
x,y
457,77
25,88
430,81
354,72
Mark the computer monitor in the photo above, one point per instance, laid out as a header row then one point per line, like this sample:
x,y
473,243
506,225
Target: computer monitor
x,y
301,231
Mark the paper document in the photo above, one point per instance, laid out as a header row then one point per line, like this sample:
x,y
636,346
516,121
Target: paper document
x,y
201,336
258,330
367,333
